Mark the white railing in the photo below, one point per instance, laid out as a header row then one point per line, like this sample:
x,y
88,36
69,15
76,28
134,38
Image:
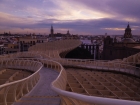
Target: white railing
x,y
70,98
59,85
110,66
11,92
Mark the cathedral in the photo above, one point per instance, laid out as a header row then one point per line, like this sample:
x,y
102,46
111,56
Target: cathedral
x,y
128,35
119,50
52,34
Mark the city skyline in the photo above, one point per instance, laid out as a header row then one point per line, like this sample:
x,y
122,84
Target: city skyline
x,y
81,17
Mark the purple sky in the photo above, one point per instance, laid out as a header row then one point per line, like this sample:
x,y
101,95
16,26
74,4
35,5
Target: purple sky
x,y
83,17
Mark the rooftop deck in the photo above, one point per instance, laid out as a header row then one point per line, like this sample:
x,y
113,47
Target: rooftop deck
x,y
103,84
84,87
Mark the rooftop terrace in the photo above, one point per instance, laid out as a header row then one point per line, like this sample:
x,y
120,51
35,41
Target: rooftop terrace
x,y
113,82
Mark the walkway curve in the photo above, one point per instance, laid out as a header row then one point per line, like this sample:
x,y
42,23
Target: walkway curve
x,y
42,94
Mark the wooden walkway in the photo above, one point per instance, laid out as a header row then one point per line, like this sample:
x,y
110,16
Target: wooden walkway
x,y
42,93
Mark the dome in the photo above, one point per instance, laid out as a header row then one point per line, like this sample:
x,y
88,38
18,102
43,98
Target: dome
x,y
128,40
128,28
128,33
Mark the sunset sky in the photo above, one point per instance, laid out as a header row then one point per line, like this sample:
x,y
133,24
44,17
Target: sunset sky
x,y
83,17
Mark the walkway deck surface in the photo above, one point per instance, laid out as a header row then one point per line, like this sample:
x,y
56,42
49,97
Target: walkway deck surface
x,y
42,93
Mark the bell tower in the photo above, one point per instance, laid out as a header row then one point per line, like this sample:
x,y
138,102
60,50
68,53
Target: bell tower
x,y
128,33
52,31
68,33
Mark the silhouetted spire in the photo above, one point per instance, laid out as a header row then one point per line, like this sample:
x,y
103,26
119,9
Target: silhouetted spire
x,y
68,33
52,31
128,25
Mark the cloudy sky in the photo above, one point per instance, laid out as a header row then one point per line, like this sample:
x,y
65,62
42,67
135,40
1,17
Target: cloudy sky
x,y
83,17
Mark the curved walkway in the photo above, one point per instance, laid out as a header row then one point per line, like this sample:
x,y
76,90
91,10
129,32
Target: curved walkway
x,y
42,93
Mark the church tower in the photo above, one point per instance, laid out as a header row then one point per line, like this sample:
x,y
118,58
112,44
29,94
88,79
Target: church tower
x,y
52,31
127,38
68,33
128,33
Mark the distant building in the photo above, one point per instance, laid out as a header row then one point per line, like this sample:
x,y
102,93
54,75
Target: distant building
x,y
19,43
52,32
119,50
58,34
28,41
10,48
1,49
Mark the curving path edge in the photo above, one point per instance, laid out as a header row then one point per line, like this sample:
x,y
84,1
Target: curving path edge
x,y
42,94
